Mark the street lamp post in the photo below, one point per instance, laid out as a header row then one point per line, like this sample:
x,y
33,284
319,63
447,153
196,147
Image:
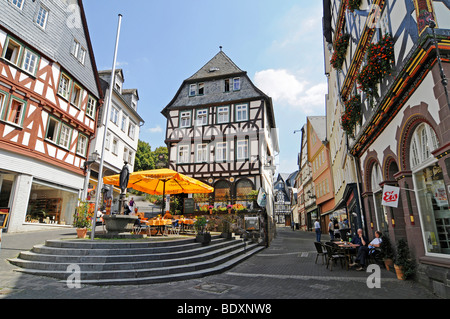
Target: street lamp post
x,y
87,167
111,87
444,80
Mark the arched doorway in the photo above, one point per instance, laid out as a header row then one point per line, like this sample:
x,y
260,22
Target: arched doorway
x,y
222,192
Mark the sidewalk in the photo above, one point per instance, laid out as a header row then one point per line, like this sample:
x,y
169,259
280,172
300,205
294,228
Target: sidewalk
x,y
286,270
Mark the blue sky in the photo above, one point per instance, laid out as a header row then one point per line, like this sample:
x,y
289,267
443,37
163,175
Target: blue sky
x,y
279,44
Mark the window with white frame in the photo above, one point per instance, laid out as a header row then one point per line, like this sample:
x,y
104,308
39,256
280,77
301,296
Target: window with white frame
x,y
91,107
242,150
125,154
423,142
64,86
75,98
30,62
202,117
64,137
201,89
131,157
82,145
193,90
131,130
236,84
223,114
114,115
115,146
185,119
221,152
42,16
241,112
12,51
183,154
108,141
82,55
18,3
123,123
202,153
52,130
15,112
75,48
2,102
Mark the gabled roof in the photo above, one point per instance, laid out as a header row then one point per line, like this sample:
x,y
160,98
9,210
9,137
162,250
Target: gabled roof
x,y
220,65
319,123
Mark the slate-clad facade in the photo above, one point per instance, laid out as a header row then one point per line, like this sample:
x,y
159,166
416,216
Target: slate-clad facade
x,y
50,95
221,130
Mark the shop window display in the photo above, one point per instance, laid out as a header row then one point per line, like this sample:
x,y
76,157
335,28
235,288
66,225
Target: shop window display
x,y
51,204
430,190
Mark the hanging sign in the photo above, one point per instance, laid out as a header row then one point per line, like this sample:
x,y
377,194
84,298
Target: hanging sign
x,y
262,198
391,196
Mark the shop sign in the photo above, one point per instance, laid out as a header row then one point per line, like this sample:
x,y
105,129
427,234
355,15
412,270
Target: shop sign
x,y
262,198
391,196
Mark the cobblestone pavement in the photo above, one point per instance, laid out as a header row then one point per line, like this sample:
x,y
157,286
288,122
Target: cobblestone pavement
x,y
286,270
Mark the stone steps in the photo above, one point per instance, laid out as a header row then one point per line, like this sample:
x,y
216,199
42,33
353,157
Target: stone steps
x,y
124,263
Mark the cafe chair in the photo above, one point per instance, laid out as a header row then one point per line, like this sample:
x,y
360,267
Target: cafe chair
x,y
375,256
334,254
320,251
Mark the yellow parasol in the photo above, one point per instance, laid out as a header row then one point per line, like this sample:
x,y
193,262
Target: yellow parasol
x,y
162,182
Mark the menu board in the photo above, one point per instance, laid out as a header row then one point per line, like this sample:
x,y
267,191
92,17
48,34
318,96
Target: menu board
x,y
189,205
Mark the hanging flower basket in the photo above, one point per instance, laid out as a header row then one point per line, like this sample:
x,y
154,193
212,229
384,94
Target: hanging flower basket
x,y
353,5
352,115
380,60
340,51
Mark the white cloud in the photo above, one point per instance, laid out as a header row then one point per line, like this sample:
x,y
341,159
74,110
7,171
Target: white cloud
x,y
156,129
287,89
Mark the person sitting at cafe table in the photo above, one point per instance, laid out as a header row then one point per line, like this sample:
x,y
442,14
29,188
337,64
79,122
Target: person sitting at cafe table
x,y
365,251
360,239
167,215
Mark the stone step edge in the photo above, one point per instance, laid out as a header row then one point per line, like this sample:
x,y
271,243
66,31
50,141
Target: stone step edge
x,y
236,253
165,278
194,250
115,249
18,261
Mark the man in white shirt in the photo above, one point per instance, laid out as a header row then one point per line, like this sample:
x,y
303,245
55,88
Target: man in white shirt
x,y
318,231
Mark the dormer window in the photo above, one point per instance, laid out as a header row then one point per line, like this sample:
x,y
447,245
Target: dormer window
x,y
118,87
201,88
232,84
236,84
197,89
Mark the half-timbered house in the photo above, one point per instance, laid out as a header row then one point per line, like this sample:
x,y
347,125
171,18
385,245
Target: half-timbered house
x,y
49,97
396,112
221,130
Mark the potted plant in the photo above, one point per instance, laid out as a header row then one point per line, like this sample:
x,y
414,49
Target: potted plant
x,y
353,5
387,252
202,235
227,222
405,266
82,219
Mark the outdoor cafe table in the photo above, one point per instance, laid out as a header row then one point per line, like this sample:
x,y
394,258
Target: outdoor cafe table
x,y
185,222
160,224
349,251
